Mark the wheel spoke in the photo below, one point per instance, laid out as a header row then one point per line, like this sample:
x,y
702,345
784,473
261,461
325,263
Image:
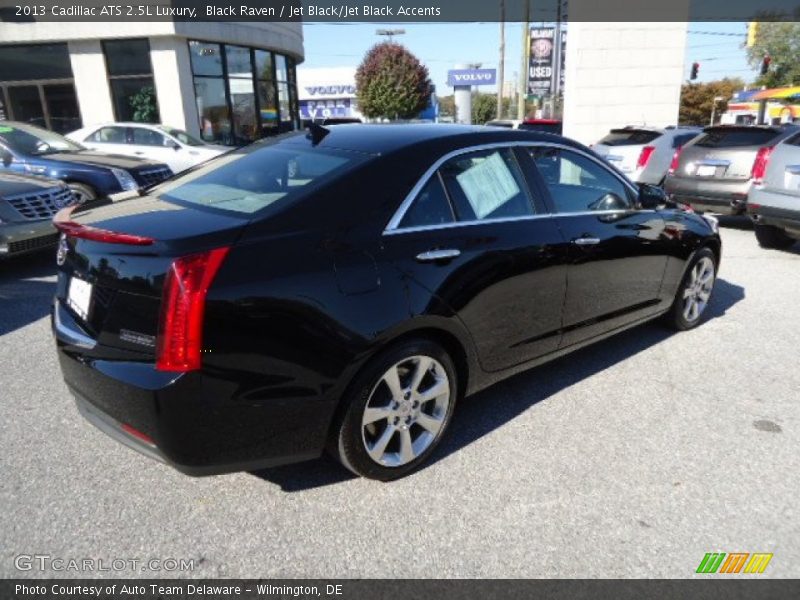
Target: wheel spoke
x,y
407,453
704,295
687,292
392,379
372,414
377,449
687,311
423,364
429,422
440,388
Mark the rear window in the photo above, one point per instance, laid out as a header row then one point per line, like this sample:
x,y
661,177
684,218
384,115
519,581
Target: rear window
x,y
734,137
249,180
629,137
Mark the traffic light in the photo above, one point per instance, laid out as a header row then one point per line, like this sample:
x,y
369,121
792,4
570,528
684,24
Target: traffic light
x,y
695,69
765,65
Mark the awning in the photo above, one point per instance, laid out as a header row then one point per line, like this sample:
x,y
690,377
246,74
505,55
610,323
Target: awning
x,y
778,93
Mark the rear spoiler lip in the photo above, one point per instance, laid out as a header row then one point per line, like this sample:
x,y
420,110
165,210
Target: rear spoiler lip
x,y
64,223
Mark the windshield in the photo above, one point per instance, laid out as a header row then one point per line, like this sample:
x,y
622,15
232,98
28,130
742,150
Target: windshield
x,y
33,141
247,180
629,137
183,137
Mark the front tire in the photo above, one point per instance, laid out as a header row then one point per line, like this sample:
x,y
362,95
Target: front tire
x,y
694,292
397,411
769,236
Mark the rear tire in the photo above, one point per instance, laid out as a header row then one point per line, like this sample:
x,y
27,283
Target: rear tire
x,y
83,193
397,411
769,236
694,292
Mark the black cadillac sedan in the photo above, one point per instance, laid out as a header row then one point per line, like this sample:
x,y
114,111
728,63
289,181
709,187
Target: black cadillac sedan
x,y
343,288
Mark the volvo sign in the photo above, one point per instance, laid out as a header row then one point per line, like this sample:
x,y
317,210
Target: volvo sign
x,y
459,77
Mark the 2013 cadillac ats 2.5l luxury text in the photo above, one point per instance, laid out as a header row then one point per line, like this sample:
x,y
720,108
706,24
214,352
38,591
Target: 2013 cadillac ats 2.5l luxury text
x,y
343,288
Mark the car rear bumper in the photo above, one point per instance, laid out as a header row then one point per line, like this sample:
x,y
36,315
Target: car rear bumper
x,y
786,219
722,197
23,237
184,419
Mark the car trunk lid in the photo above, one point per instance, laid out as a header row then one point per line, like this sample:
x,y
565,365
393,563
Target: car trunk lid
x,y
725,152
623,147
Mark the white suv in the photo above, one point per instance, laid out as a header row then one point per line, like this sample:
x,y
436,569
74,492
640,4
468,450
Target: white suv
x,y
644,153
774,200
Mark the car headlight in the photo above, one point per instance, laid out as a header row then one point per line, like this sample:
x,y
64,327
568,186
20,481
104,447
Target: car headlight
x,y
35,169
126,181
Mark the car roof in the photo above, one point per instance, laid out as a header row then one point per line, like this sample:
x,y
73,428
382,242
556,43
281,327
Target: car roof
x,y
382,138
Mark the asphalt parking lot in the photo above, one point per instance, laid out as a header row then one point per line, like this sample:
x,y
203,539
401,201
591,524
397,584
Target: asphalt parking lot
x,y
631,458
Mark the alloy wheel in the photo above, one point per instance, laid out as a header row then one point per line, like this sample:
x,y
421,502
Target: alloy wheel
x,y
698,289
406,411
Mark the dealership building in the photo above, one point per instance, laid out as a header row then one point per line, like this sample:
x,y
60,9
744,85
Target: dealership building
x,y
227,82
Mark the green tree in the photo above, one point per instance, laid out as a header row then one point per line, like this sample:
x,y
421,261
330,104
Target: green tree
x,y
447,107
391,83
781,42
484,108
697,100
143,104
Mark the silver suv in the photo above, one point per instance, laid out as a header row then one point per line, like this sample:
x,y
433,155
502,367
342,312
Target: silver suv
x,y
715,171
644,153
774,202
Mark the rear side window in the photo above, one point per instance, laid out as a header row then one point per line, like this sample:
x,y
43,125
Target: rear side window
x,y
734,137
431,206
629,137
486,184
251,179
108,135
794,140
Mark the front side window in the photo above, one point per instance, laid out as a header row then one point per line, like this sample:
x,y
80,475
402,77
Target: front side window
x,y
577,183
147,137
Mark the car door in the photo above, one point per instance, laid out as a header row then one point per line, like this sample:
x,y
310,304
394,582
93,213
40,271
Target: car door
x,y
472,235
150,144
618,253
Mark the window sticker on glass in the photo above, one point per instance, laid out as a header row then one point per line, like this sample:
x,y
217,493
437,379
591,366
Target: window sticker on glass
x,y
488,184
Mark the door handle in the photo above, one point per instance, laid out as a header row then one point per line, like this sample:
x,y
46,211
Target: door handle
x,y
586,241
139,153
435,255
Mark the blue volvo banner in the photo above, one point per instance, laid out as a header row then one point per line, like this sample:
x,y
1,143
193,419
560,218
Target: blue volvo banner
x,y
471,77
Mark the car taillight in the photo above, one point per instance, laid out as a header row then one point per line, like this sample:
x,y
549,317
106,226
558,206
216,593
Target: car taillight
x,y
180,335
760,164
68,227
673,166
644,156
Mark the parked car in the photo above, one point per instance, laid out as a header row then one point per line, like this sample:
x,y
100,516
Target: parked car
x,y
90,175
644,153
174,147
715,171
253,312
326,121
28,204
774,199
543,125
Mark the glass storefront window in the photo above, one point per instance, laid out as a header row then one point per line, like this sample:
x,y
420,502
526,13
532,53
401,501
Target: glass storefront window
x,y
263,64
268,103
212,107
62,106
127,57
238,61
206,59
283,102
281,72
34,61
243,110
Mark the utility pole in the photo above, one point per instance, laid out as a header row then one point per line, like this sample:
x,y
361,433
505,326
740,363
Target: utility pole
x,y
502,63
523,79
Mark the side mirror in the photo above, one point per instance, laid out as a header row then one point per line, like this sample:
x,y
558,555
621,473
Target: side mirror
x,y
7,157
651,196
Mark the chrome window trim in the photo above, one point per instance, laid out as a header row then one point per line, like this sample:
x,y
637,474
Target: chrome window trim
x,y
393,227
